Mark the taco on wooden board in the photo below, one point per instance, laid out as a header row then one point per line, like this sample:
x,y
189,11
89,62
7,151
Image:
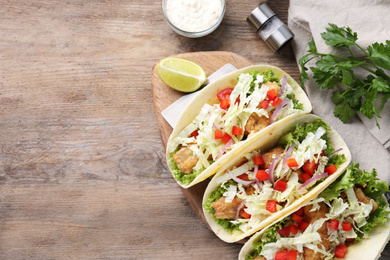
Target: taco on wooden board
x,y
348,220
227,115
273,176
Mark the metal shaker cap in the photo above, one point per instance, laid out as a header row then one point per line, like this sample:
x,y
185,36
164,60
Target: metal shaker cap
x,y
260,16
269,27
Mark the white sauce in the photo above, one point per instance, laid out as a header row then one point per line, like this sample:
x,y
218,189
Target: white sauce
x,y
193,15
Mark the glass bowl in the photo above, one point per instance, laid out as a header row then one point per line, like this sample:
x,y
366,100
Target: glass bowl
x,y
192,33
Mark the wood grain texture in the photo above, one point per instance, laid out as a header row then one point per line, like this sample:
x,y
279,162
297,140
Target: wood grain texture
x,y
82,165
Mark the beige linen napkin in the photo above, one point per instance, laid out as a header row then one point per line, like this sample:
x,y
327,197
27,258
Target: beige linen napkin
x,y
369,145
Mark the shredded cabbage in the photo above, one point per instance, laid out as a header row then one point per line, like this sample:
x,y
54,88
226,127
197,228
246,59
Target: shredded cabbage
x,y
344,209
250,91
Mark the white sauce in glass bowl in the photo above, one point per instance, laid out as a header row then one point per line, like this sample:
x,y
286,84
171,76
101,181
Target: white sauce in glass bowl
x,y
193,15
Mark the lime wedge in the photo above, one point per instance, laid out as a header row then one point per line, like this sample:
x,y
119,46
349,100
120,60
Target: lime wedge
x,y
181,74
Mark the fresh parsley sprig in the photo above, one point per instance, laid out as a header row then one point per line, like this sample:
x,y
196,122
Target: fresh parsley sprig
x,y
367,95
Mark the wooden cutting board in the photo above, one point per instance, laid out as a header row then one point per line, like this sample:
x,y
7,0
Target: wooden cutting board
x,y
164,96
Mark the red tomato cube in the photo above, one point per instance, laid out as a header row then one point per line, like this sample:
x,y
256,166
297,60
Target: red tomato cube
x,y
280,185
271,94
291,162
218,134
258,160
236,130
271,206
346,226
334,223
226,138
340,251
262,175
297,218
331,169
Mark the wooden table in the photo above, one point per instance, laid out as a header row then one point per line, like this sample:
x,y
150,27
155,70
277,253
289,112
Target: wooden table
x,y
82,166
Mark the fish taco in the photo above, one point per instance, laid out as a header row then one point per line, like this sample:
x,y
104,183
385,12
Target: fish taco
x,y
228,115
273,176
348,220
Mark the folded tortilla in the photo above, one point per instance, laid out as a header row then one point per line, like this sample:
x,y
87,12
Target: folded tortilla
x,y
368,248
210,161
263,144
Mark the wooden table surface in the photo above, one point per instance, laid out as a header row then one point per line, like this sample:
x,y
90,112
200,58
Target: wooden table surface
x,y
82,166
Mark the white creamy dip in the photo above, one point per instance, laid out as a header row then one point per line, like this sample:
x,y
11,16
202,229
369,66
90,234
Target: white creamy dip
x,y
193,15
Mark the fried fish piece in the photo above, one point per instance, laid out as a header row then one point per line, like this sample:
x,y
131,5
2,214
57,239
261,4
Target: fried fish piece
x,y
185,159
271,155
366,200
255,123
226,210
311,217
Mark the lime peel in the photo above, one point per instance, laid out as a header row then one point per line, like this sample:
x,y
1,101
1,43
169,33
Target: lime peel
x,y
181,74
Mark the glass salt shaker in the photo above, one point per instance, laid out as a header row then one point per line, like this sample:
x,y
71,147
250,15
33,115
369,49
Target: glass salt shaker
x,y
269,27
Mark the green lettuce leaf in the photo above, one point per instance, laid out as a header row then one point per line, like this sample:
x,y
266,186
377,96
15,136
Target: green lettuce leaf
x,y
300,132
179,175
225,223
373,189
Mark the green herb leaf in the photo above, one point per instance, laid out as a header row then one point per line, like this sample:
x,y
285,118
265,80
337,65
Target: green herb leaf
x,y
367,95
326,79
339,36
380,85
380,54
343,110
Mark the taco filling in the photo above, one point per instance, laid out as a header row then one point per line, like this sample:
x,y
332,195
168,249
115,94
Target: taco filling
x,y
264,183
257,100
343,214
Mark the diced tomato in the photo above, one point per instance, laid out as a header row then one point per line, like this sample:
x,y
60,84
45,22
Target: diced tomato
x,y
284,255
224,94
331,169
297,218
226,138
305,176
236,130
291,162
225,103
299,212
195,133
258,160
334,223
284,232
303,225
349,240
346,226
309,167
244,214
218,134
271,94
280,185
243,177
292,255
271,206
264,104
294,229
276,102
262,175
340,251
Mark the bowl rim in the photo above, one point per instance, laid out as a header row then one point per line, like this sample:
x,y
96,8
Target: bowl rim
x,y
195,33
